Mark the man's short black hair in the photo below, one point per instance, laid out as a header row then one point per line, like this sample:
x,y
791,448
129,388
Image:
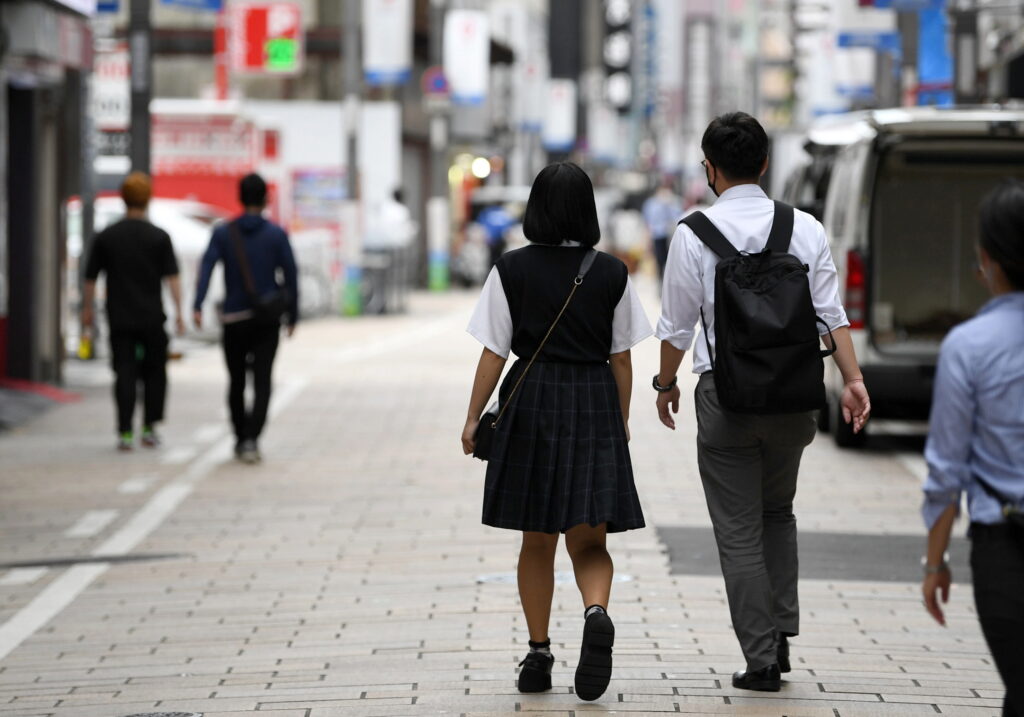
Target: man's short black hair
x,y
1001,220
736,144
252,190
561,207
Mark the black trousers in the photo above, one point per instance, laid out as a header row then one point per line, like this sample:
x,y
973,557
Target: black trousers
x,y
139,355
661,254
249,347
997,561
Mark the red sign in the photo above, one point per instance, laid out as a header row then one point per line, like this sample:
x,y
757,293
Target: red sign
x,y
265,38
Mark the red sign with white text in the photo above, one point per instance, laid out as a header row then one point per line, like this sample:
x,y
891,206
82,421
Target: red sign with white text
x,y
265,38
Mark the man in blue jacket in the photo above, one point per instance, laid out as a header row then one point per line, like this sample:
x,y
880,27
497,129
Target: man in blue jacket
x,y
252,250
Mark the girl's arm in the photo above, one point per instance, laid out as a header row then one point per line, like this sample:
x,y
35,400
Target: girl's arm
x,y
488,371
622,370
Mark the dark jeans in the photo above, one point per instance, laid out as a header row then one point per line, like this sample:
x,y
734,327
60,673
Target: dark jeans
x,y
249,346
661,254
139,355
997,562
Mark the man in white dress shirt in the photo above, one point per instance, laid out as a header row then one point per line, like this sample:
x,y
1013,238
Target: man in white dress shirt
x,y
748,463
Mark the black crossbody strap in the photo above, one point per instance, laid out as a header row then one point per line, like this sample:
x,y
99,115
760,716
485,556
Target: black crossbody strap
x,y
243,262
588,261
708,233
782,229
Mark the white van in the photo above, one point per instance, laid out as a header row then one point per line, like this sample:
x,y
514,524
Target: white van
x,y
901,213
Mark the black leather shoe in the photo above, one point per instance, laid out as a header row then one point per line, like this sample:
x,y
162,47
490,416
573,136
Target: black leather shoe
x,y
536,673
594,670
767,679
783,654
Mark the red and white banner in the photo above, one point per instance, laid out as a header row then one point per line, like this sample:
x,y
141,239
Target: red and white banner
x,y
265,38
467,55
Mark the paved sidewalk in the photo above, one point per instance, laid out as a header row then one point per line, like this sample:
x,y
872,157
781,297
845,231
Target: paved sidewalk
x,y
348,573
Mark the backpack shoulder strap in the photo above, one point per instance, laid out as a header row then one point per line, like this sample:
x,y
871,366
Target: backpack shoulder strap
x,y
782,229
708,233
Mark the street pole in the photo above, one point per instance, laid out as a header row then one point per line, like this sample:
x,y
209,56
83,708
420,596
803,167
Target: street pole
x,y
141,83
438,221
352,298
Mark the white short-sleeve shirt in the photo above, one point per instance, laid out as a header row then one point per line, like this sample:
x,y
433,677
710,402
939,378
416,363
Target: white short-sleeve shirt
x,y
491,323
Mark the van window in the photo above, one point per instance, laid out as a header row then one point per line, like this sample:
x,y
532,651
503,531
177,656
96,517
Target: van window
x,y
924,228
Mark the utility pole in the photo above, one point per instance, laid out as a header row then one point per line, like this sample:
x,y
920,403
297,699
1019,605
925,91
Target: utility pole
x,y
352,300
438,221
141,83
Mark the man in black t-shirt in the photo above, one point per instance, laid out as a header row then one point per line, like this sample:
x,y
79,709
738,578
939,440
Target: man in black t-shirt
x,y
136,257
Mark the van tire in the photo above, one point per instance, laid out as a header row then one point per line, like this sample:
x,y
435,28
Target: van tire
x,y
843,431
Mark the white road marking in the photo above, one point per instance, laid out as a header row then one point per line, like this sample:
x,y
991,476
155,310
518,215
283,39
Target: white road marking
x,y
209,432
91,524
65,589
137,484
22,576
914,463
178,455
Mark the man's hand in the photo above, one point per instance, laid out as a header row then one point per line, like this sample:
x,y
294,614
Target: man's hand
x,y
197,319
934,585
856,404
666,399
87,315
179,326
290,330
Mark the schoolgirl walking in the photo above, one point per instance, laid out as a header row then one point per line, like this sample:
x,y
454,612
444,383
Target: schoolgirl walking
x,y
559,458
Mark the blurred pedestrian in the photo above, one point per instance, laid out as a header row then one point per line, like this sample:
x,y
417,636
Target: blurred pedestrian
x,y
976,445
252,250
496,221
749,450
559,460
136,257
662,211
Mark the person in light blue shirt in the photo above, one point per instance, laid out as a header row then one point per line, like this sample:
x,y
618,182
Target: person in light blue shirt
x,y
976,445
662,211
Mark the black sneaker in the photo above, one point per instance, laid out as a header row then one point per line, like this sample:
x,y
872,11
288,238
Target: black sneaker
x,y
595,667
535,675
247,452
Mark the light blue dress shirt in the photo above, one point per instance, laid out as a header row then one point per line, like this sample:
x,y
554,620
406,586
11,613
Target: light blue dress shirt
x,y
977,420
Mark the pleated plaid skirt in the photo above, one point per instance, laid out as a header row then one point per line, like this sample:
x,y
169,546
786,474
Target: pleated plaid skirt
x,y
560,456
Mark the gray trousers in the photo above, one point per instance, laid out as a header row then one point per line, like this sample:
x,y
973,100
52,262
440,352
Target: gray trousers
x,y
748,465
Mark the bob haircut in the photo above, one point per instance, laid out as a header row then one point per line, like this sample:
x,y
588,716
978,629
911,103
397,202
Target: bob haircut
x,y
1002,229
561,207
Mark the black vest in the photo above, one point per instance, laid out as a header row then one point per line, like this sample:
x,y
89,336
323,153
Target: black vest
x,y
538,278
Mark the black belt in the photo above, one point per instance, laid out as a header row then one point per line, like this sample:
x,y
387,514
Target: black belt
x,y
990,530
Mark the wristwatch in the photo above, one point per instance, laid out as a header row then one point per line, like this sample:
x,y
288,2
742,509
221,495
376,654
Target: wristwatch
x,y
942,567
664,389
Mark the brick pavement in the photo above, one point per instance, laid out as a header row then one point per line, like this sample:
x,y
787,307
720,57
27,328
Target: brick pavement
x,y
348,574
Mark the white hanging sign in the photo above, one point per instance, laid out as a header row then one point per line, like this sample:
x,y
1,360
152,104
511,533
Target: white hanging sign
x,y
387,42
559,131
467,55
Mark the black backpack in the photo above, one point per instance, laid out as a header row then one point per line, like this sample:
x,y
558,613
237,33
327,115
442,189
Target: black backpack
x,y
769,356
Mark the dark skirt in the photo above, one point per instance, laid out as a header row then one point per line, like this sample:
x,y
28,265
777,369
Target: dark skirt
x,y
560,456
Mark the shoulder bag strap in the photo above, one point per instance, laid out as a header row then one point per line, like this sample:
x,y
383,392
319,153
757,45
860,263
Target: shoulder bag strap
x,y
782,229
588,261
708,233
243,262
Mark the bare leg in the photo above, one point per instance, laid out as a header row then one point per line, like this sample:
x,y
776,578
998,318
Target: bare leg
x,y
537,581
591,563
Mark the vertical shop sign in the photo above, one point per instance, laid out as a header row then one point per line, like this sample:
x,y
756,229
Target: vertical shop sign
x,y
467,55
387,42
265,38
559,132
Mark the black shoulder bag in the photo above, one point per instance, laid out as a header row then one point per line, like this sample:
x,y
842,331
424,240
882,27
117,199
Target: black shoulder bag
x,y
484,438
266,310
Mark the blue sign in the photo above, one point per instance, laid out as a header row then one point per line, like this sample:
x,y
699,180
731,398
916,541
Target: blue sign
x,y
908,5
873,39
107,5
211,5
